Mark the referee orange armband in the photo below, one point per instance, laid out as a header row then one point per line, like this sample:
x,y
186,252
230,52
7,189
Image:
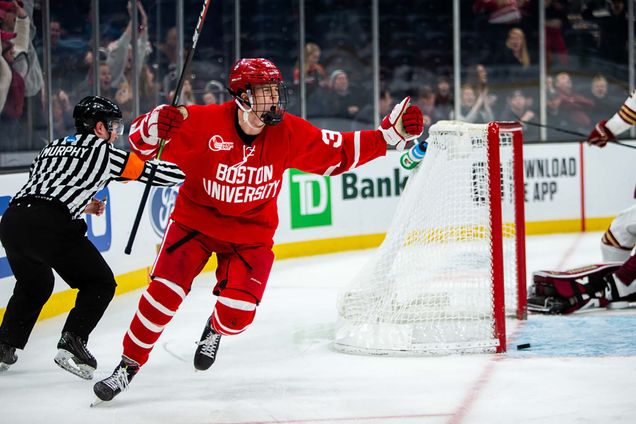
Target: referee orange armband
x,y
133,168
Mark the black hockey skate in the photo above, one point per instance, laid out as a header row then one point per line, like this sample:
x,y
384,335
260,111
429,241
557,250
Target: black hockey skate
x,y
74,357
208,347
110,387
7,356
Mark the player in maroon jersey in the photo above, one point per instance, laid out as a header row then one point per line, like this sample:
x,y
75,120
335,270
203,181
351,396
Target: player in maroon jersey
x,y
596,285
234,156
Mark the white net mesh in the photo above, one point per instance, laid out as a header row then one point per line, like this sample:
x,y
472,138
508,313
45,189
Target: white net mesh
x,y
429,288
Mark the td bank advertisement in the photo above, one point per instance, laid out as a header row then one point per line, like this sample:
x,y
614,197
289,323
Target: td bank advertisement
x,y
564,183
358,202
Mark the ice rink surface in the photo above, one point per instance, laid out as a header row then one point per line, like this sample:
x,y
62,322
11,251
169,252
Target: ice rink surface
x,y
579,369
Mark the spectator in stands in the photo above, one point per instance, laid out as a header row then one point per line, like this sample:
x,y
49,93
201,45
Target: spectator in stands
x,y
316,82
148,88
611,18
63,122
168,61
120,60
4,6
516,51
13,94
214,93
120,51
6,70
55,33
386,104
187,94
365,116
573,107
444,103
556,20
518,109
604,106
315,74
477,78
9,14
17,19
105,83
342,101
15,25
500,11
124,98
501,15
553,104
68,64
598,89
15,35
6,75
425,99
474,108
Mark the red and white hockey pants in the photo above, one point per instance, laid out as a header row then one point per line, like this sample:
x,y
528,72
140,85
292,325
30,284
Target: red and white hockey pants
x,y
242,274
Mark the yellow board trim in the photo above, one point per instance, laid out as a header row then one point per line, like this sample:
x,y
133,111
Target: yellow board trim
x,y
64,301
552,227
597,224
567,226
333,245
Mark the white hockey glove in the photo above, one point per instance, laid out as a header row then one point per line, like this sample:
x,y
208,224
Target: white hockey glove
x,y
404,123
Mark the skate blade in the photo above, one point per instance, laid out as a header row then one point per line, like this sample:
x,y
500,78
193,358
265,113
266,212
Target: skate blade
x,y
96,402
64,359
540,309
4,367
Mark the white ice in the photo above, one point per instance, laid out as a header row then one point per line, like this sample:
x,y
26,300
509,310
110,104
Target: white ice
x,y
284,369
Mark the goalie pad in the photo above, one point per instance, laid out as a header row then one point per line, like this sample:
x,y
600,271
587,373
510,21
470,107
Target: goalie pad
x,y
564,292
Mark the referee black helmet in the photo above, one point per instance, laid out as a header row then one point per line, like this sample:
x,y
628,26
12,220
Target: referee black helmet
x,y
93,109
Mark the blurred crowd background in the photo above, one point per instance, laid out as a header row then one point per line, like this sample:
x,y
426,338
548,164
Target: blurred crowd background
x,y
561,63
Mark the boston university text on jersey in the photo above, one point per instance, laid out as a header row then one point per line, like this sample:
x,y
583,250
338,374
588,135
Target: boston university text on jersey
x,y
258,179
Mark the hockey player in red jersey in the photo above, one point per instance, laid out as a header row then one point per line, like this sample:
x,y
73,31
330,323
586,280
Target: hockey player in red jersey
x,y
234,156
596,285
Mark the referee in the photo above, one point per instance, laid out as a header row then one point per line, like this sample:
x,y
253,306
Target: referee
x,y
43,230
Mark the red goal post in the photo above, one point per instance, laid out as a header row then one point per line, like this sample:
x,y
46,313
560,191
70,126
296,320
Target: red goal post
x,y
452,265
496,132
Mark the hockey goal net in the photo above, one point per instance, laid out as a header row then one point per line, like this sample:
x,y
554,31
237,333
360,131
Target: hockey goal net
x,y
452,265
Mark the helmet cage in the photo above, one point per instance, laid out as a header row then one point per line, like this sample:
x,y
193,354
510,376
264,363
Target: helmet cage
x,y
273,94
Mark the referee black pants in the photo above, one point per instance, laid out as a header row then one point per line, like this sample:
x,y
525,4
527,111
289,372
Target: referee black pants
x,y
39,236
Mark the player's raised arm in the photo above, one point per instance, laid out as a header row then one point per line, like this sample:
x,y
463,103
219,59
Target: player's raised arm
x,y
330,152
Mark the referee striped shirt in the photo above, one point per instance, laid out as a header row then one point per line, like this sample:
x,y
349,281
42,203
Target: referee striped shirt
x,y
73,169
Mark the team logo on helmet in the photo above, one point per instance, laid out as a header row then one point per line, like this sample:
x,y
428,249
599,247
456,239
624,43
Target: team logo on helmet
x,y
216,144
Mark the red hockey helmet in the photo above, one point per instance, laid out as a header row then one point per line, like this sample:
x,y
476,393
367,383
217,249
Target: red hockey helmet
x,y
246,74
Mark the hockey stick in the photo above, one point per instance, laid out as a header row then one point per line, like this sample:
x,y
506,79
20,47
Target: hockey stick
x,y
175,101
536,124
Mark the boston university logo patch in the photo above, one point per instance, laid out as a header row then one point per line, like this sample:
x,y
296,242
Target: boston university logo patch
x,y
216,144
